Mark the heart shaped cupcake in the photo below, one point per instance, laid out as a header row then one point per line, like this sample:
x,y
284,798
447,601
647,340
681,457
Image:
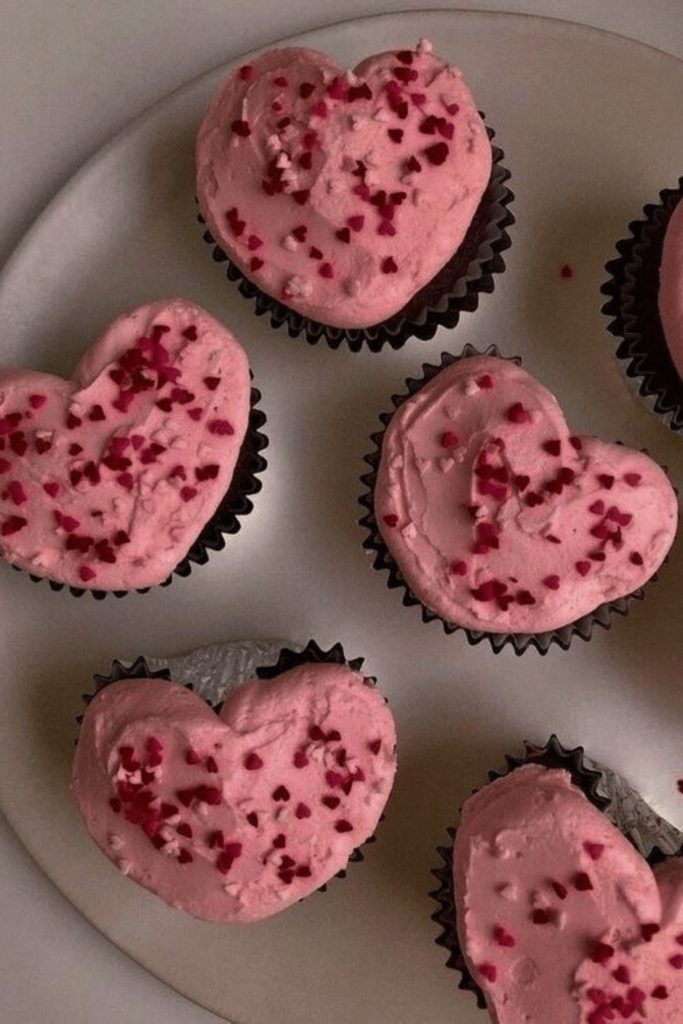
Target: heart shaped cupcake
x,y
234,816
107,479
342,194
501,519
559,917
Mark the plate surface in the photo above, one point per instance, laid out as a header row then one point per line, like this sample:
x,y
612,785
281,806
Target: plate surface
x,y
590,128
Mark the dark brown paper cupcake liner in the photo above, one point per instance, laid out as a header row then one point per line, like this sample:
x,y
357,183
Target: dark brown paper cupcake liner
x,y
287,659
383,560
606,791
455,289
632,292
235,504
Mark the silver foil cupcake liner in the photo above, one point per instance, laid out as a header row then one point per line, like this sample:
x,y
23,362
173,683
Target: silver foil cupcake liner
x,y
632,293
383,560
653,837
455,289
225,521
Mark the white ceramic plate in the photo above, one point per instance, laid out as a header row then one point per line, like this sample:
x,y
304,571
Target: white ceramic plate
x,y
591,128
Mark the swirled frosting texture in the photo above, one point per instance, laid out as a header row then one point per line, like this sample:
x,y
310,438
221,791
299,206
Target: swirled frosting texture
x,y
342,193
671,287
500,518
559,918
233,817
107,479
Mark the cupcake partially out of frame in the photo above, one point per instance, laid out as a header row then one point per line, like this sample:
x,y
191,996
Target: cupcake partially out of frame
x,y
561,896
491,514
645,305
234,812
139,464
360,207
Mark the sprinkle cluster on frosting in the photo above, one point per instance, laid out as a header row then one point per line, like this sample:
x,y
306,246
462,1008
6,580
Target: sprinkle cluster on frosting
x,y
342,193
233,818
559,917
502,519
629,980
107,479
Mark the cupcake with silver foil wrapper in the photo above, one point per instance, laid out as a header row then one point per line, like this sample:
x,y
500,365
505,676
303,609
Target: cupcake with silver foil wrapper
x,y
559,894
241,787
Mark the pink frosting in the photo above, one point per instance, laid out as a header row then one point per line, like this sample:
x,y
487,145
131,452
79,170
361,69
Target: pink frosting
x,y
107,479
342,193
671,287
645,978
500,518
234,817
559,917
